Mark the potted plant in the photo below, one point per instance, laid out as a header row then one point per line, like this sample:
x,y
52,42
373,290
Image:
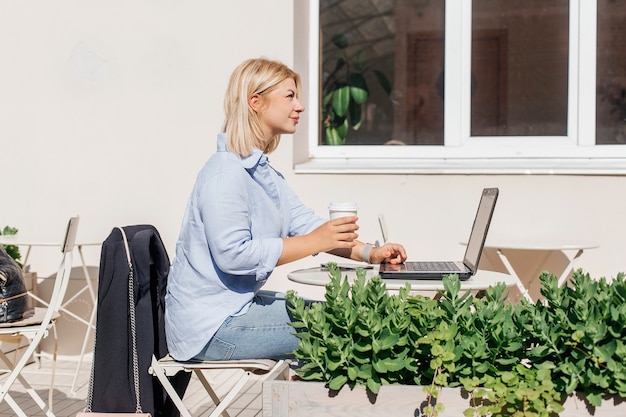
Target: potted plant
x,y
345,90
503,359
12,250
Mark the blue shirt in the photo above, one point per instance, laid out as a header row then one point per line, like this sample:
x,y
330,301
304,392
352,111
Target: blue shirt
x,y
239,211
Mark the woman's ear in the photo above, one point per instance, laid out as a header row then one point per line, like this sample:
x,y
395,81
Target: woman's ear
x,y
255,102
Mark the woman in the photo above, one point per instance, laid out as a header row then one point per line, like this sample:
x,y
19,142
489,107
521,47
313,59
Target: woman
x,y
241,221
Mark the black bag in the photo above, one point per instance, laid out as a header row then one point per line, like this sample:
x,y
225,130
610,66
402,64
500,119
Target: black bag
x,y
13,294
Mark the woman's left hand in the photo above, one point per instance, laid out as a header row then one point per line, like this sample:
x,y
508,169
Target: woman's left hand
x,y
388,253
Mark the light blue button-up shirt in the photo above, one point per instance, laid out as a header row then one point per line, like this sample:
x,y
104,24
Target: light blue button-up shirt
x,y
239,211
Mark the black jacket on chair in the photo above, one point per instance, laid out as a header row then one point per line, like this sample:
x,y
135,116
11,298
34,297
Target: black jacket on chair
x,y
113,386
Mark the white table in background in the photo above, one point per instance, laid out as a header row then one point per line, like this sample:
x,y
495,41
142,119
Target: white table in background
x,y
20,241
481,281
572,250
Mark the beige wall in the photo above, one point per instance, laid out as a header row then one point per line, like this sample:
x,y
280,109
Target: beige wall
x,y
108,110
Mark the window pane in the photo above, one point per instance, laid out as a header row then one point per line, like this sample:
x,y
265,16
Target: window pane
x,y
519,67
611,75
382,66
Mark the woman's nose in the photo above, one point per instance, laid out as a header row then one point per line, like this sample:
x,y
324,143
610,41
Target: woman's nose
x,y
299,107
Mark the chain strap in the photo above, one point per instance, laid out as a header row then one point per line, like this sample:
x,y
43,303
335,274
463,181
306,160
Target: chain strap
x,y
91,374
133,332
133,328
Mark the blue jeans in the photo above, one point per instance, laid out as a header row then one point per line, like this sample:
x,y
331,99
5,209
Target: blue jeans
x,y
261,333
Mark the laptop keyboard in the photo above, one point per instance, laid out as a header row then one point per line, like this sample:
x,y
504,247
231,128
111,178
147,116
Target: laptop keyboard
x,y
432,266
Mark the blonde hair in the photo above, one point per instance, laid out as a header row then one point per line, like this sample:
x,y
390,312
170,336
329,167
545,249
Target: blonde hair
x,y
242,125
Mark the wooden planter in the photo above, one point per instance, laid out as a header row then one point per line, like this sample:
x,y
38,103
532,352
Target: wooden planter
x,y
283,398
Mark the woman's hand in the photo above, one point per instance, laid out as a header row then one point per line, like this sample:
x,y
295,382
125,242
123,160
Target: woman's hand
x,y
393,253
336,236
339,233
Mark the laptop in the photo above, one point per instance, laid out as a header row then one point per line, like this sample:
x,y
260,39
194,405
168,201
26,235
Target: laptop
x,y
464,269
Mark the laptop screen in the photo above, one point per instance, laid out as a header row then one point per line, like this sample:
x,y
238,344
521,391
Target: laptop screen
x,y
479,229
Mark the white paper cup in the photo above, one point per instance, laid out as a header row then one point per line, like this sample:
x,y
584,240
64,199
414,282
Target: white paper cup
x,y
342,209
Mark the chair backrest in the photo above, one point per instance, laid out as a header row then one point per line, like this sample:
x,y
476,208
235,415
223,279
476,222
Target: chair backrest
x,y
70,235
62,278
383,228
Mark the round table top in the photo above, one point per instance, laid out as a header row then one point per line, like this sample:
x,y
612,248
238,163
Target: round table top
x,y
481,281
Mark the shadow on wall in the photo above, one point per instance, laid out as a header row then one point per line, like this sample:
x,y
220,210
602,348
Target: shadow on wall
x,y
71,331
528,265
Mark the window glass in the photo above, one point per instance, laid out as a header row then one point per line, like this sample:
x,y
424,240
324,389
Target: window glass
x,y
533,83
519,68
381,72
611,73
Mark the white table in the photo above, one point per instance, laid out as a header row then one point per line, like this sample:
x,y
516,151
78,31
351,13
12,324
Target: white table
x,y
572,250
29,243
481,281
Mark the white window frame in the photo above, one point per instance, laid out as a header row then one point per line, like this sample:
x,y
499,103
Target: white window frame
x,y
575,153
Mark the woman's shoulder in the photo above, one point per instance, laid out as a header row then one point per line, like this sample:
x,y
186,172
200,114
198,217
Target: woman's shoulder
x,y
222,164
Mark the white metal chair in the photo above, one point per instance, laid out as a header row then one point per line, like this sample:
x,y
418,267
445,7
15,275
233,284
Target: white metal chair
x,y
34,328
167,366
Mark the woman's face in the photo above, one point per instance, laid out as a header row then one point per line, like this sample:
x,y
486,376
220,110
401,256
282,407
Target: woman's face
x,y
278,110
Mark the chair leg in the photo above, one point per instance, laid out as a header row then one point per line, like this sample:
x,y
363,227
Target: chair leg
x,y
157,371
209,389
54,367
220,405
16,408
13,375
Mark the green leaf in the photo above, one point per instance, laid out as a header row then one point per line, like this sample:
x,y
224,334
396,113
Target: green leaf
x,y
332,137
388,365
340,41
373,385
383,81
359,60
333,365
606,351
358,88
594,399
342,130
327,98
8,230
341,100
355,115
362,346
365,371
353,373
12,250
337,382
388,340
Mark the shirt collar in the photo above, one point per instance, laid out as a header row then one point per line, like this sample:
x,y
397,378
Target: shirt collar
x,y
257,157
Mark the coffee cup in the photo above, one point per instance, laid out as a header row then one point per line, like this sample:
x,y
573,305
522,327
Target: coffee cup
x,y
342,209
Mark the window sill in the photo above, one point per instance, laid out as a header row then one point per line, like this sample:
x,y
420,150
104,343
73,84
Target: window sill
x,y
464,166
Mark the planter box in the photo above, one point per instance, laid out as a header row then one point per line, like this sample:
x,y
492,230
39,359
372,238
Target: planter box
x,y
282,398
